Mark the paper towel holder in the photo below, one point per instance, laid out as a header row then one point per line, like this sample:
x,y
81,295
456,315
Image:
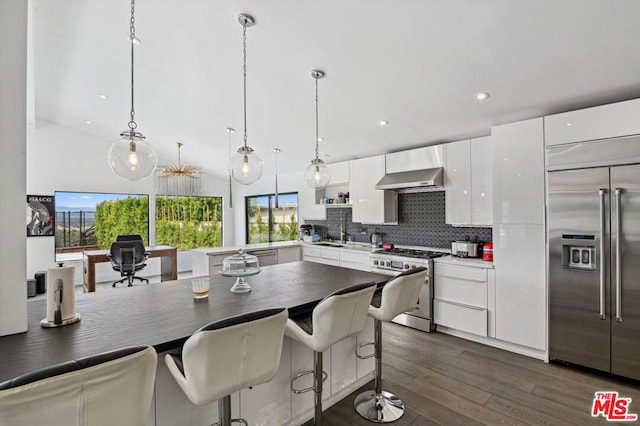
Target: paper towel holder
x,y
59,322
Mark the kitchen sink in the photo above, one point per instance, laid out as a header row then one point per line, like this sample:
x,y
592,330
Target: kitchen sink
x,y
328,244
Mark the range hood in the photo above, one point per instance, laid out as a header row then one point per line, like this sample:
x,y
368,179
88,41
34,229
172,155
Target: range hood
x,y
413,181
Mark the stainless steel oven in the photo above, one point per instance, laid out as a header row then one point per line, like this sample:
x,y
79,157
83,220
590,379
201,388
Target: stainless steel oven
x,y
395,261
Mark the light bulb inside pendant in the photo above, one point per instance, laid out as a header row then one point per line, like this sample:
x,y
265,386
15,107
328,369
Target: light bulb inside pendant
x,y
245,165
132,160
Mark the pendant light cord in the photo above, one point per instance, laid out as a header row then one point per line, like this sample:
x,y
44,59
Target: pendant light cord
x,y
316,118
244,70
132,38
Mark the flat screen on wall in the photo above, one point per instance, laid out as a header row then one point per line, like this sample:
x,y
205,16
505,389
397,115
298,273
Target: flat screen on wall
x,y
93,220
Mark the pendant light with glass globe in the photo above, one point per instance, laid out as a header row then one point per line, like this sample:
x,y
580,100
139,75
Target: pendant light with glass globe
x,y
246,166
131,156
317,174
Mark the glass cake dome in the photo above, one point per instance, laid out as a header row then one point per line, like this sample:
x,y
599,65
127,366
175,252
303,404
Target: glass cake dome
x,y
240,265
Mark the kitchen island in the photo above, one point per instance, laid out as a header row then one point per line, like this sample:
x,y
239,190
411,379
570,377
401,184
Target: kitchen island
x,y
164,316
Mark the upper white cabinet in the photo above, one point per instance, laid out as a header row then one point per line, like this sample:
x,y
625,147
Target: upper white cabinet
x,y
457,182
468,182
607,121
371,205
308,206
415,159
518,172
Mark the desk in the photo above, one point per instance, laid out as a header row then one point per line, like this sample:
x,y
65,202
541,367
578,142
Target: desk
x,y
168,264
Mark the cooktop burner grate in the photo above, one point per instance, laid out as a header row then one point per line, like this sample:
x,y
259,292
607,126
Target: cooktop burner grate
x,y
418,254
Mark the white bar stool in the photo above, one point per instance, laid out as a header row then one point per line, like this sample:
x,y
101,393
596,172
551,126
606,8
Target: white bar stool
x,y
229,355
398,295
337,316
110,388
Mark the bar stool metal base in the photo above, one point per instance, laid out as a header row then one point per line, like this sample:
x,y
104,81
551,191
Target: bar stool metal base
x,y
379,408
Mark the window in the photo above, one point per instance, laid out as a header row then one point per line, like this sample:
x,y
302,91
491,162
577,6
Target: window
x,y
91,220
189,222
265,223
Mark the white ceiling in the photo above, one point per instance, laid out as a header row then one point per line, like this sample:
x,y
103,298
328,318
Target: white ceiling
x,y
414,63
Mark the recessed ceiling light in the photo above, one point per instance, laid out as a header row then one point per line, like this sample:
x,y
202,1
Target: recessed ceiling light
x,y
327,155
103,96
383,123
481,96
568,124
320,139
87,122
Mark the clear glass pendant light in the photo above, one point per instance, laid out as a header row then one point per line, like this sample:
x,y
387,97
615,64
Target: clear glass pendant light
x,y
131,156
246,166
317,174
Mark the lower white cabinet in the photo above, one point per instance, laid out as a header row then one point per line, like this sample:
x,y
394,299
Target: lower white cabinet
x,y
462,298
326,255
336,256
521,308
354,260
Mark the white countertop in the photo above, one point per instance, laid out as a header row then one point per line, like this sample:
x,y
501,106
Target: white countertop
x,y
212,251
464,261
359,247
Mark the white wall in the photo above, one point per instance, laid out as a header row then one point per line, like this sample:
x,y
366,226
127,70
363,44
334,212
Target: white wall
x,y
13,137
62,159
266,185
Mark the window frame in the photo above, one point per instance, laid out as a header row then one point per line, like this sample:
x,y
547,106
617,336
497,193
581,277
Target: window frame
x,y
270,198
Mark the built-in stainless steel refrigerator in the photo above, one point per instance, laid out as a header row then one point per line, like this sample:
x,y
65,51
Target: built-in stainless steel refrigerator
x,y
594,254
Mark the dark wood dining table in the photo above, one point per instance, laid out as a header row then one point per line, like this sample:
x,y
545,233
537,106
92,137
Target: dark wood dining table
x,y
164,316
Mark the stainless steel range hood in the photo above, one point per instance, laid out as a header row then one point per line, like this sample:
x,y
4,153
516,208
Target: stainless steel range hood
x,y
413,181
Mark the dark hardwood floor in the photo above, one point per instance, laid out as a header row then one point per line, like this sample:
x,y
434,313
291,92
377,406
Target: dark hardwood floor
x,y
444,380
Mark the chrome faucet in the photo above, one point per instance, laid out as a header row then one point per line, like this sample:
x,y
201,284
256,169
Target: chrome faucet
x,y
343,233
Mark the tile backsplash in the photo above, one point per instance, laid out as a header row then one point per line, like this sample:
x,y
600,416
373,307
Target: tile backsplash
x,y
421,222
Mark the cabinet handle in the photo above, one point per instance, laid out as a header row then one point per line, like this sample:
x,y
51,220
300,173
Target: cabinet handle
x,y
618,191
601,193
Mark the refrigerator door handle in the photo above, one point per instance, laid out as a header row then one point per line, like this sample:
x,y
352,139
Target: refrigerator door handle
x,y
601,193
618,191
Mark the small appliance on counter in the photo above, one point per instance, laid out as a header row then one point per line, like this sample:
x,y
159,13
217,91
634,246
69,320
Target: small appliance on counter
x,y
61,297
376,241
487,251
305,230
466,248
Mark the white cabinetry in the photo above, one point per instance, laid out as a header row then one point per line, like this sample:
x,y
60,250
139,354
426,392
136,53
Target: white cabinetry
x,y
354,259
326,255
518,233
468,182
347,258
371,205
462,298
607,121
457,183
415,159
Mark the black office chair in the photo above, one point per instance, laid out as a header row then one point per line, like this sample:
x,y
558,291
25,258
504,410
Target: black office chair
x,y
128,257
131,237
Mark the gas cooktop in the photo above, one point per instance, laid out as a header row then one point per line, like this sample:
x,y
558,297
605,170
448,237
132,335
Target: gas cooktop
x,y
418,254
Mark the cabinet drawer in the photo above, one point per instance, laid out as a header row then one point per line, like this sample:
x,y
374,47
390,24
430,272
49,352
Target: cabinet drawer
x,y
468,292
330,254
310,252
349,256
461,317
468,273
